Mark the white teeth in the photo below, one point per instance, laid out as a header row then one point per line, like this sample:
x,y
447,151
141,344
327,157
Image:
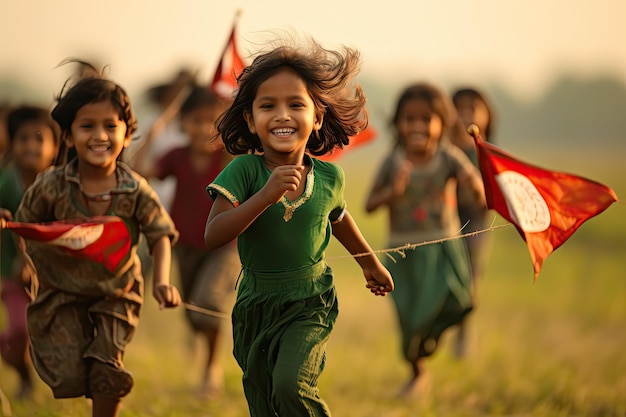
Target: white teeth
x,y
101,148
283,132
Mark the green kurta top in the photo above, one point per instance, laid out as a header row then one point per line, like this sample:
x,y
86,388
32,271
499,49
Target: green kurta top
x,y
289,235
11,192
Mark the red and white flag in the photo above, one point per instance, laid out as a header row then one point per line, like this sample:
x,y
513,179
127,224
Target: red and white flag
x,y
362,138
546,207
228,69
102,239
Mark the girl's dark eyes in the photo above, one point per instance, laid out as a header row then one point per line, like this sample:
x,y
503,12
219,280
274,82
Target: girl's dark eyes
x,y
271,106
89,126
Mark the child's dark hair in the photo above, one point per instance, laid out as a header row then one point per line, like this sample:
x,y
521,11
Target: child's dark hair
x,y
90,89
475,95
438,102
328,76
26,114
199,97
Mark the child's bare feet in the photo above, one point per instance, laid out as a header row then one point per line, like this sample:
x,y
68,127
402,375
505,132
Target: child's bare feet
x,y
213,385
418,386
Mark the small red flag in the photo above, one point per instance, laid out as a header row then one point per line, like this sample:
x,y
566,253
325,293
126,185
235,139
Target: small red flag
x,y
362,138
102,239
546,207
228,69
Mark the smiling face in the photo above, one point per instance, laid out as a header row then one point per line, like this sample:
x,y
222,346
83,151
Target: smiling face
x,y
283,115
418,127
98,135
33,146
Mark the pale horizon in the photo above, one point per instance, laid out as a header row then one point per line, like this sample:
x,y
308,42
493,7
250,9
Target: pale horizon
x,y
522,46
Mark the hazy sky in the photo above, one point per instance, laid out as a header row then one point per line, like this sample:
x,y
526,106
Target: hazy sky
x,y
521,44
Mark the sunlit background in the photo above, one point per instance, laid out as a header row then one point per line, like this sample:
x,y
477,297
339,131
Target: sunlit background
x,y
546,64
555,71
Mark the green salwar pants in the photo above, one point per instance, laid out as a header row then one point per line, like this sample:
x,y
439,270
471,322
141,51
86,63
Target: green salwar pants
x,y
281,324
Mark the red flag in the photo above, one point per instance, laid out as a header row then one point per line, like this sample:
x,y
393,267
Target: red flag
x,y
230,66
362,138
102,239
546,207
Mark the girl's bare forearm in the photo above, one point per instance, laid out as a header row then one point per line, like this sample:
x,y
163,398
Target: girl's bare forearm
x,y
348,234
162,261
226,222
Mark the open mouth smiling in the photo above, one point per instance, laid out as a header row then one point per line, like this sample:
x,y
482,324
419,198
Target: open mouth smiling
x,y
99,148
283,132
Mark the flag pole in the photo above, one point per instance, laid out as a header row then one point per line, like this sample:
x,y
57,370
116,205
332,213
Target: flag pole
x,y
474,131
233,26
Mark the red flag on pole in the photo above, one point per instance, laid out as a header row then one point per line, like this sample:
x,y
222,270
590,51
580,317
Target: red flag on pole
x,y
228,69
362,138
546,207
102,239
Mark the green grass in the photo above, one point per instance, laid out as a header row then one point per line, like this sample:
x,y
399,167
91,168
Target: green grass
x,y
550,348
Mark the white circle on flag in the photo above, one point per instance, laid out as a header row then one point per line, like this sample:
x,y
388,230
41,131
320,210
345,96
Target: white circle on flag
x,y
526,205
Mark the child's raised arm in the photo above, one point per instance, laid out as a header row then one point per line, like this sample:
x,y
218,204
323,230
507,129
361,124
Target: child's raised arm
x,y
378,278
166,294
383,194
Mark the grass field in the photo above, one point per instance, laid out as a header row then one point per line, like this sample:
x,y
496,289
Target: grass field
x,y
551,348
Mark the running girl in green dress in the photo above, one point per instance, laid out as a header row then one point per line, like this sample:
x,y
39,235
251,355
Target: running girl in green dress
x,y
283,205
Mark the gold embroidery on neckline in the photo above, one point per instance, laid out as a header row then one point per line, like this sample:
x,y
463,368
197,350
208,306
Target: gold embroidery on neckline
x,y
292,206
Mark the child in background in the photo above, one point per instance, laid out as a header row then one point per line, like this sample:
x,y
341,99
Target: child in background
x,y
83,316
283,205
33,145
5,108
207,277
160,130
472,108
416,184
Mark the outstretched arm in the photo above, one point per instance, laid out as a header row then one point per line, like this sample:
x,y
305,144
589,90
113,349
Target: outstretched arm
x,y
165,294
459,135
471,179
378,279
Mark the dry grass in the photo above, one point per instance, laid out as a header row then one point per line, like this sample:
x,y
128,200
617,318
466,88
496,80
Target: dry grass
x,y
553,348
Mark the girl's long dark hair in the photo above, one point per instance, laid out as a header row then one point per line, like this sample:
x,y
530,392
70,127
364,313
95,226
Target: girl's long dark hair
x,y
328,76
